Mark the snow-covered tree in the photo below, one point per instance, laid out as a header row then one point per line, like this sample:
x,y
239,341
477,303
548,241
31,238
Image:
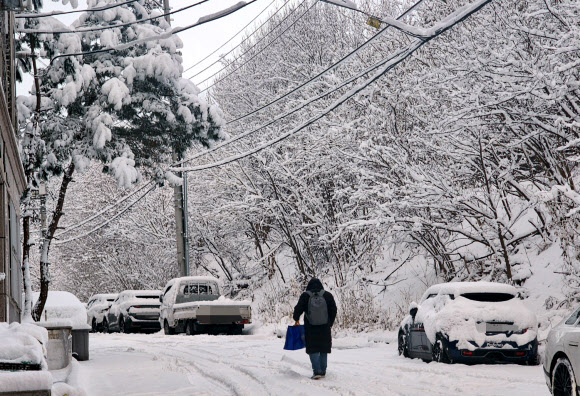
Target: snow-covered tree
x,y
123,107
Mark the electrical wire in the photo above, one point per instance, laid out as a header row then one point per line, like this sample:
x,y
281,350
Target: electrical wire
x,y
304,104
107,221
201,21
33,15
120,25
102,211
387,64
331,67
231,38
262,49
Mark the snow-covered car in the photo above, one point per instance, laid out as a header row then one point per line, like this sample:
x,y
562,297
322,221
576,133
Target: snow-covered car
x,y
97,308
193,305
562,357
63,307
470,322
134,310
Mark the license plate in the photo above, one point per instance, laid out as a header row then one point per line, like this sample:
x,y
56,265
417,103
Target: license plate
x,y
499,327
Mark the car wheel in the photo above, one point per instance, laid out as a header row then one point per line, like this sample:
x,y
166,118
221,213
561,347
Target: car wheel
x,y
403,347
106,326
563,382
440,351
124,326
94,328
168,330
189,328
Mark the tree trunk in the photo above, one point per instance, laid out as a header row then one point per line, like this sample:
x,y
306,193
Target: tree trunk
x,y
46,241
26,243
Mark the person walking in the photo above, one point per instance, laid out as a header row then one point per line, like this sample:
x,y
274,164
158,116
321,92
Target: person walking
x,y
320,312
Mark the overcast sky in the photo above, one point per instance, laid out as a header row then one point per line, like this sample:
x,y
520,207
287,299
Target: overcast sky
x,y
199,41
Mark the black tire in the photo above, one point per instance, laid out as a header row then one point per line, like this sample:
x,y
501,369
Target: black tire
x,y
402,345
124,325
167,329
534,360
94,327
563,382
106,329
189,328
236,329
439,351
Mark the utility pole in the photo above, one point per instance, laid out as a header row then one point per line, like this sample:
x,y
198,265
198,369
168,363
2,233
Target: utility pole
x,y
180,201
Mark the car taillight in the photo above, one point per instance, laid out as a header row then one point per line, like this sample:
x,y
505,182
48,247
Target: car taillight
x,y
136,306
243,321
520,353
467,353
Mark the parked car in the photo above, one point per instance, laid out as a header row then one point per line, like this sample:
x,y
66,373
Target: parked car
x,y
470,322
63,307
134,310
562,357
97,308
193,305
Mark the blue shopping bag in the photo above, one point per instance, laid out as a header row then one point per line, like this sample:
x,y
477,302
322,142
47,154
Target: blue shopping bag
x,y
294,338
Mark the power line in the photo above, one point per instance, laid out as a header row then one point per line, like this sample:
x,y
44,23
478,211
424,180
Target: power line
x,y
200,21
331,67
262,49
120,25
231,38
107,221
33,15
102,211
456,17
306,103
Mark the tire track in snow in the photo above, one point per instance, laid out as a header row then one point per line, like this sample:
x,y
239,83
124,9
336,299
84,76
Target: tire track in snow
x,y
202,354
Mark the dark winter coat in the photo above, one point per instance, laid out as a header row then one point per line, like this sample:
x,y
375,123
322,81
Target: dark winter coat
x,y
318,338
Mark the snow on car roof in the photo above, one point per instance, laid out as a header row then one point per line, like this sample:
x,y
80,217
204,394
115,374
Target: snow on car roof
x,y
197,278
58,299
457,288
62,306
143,292
105,295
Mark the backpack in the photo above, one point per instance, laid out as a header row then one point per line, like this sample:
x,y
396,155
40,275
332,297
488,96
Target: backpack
x,y
317,309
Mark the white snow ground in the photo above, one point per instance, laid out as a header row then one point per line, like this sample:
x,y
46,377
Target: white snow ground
x,y
155,364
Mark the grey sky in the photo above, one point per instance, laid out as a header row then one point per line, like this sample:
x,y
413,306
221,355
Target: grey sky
x,y
197,42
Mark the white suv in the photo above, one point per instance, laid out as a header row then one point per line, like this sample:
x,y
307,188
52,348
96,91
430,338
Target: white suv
x,y
562,357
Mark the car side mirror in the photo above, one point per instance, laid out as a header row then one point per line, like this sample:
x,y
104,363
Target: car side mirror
x,y
160,298
413,312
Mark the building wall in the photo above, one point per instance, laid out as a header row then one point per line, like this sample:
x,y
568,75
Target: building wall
x,y
12,181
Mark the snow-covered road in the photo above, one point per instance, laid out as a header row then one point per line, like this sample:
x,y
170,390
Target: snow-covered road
x,y
155,364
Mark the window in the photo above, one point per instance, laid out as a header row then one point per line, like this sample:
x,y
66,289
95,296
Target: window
x,y
203,289
149,297
488,297
190,288
574,317
451,296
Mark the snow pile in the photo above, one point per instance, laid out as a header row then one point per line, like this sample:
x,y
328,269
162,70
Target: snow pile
x,y
23,343
25,381
63,308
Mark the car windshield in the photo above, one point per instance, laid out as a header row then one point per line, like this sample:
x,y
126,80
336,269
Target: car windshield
x,y
574,317
488,297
